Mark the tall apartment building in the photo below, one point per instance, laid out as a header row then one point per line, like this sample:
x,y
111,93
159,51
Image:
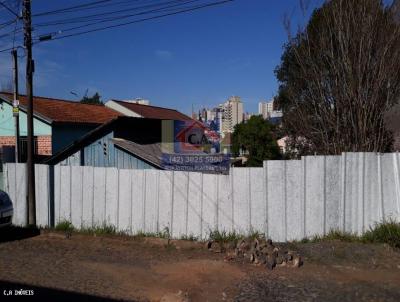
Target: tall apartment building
x,y
233,114
266,108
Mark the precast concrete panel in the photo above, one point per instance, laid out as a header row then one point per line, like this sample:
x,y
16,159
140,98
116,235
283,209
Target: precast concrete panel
x,y
241,197
151,201
124,201
76,196
332,193
294,200
99,196
112,205
180,204
138,200
257,200
315,195
194,205
65,193
225,205
210,204
276,197
87,196
165,201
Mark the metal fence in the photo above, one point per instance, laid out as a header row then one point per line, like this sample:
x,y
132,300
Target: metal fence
x,y
286,200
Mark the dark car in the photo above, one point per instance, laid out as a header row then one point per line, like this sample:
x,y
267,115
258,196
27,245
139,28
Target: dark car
x,y
6,209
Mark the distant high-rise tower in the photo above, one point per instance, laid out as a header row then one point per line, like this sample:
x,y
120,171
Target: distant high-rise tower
x,y
233,114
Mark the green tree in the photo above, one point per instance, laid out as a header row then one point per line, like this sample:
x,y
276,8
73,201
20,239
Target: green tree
x,y
93,100
339,77
256,139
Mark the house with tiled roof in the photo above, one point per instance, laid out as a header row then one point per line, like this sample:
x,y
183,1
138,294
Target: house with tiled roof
x,y
125,143
57,123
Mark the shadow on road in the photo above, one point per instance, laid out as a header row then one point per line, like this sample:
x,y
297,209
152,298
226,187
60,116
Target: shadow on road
x,y
17,233
12,291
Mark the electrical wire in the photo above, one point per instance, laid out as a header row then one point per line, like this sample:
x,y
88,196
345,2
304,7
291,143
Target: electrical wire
x,y
113,19
66,9
7,49
9,9
7,23
87,18
168,9
135,21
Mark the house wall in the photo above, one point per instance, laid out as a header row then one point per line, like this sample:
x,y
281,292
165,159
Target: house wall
x,y
66,134
7,124
103,153
7,129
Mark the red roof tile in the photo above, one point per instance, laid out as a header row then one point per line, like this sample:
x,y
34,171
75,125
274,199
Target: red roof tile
x,y
63,111
154,112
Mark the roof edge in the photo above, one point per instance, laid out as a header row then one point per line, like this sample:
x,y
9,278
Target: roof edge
x,y
153,164
159,107
25,109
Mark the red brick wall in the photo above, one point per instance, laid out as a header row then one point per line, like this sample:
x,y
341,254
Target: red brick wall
x,y
44,143
7,141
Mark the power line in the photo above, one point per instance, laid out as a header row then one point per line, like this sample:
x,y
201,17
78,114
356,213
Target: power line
x,y
52,37
132,22
7,49
63,10
87,18
113,19
7,23
9,9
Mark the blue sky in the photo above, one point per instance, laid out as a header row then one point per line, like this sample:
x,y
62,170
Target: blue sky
x,y
198,58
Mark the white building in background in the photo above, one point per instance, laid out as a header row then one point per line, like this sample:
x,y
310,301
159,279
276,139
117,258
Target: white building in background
x,y
233,114
266,108
139,101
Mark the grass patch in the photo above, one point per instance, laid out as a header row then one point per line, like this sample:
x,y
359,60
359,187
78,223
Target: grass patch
x,y
223,236
189,238
386,232
164,234
333,235
104,229
64,226
256,235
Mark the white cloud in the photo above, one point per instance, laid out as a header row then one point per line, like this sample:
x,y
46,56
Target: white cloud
x,y
163,54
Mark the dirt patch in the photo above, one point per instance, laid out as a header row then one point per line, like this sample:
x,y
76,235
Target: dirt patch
x,y
148,269
189,277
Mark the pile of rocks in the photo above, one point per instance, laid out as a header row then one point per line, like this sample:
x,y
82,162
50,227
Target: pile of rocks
x,y
258,252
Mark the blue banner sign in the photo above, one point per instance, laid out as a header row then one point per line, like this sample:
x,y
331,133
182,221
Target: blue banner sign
x,y
212,163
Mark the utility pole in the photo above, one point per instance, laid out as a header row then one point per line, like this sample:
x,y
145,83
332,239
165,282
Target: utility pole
x,y
16,105
29,95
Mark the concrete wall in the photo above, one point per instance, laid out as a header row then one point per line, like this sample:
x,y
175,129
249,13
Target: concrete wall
x,y
286,200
